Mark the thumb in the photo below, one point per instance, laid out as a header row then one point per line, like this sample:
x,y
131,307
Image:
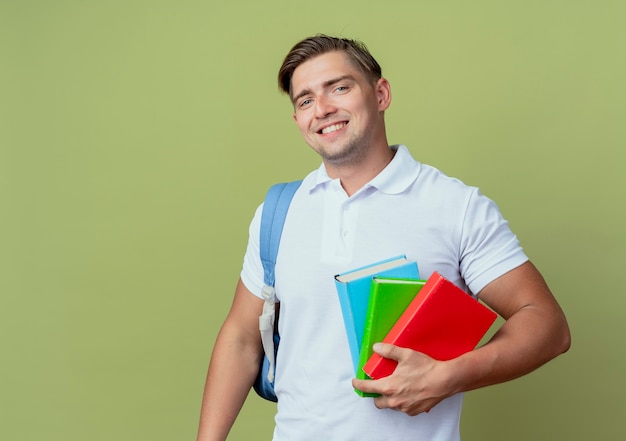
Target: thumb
x,y
387,350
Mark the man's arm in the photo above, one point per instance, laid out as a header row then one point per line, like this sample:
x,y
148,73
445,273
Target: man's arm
x,y
233,367
535,332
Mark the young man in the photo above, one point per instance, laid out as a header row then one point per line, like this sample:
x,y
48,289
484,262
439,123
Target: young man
x,y
369,201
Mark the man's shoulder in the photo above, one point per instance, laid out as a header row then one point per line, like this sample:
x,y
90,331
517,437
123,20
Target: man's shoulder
x,y
433,179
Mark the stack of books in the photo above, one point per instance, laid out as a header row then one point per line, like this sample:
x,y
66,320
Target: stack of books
x,y
388,302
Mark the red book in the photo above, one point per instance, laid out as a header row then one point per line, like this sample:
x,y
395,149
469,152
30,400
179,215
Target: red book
x,y
442,321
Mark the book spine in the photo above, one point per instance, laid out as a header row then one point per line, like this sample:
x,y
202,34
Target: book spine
x,y
364,352
348,320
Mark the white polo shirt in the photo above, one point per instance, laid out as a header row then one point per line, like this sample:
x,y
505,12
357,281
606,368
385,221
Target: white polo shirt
x,y
409,208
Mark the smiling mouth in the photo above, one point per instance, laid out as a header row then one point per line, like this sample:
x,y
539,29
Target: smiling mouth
x,y
333,128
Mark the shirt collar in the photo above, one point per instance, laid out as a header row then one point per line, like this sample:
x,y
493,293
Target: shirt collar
x,y
399,174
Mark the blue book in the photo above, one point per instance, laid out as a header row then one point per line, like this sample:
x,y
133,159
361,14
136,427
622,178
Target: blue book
x,y
353,290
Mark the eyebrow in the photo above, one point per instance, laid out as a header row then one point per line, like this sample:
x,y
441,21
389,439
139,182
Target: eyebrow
x,y
324,85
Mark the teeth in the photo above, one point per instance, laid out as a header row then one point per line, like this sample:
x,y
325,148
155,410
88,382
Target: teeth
x,y
333,128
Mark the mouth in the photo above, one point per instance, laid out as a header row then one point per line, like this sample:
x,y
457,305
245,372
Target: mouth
x,y
332,128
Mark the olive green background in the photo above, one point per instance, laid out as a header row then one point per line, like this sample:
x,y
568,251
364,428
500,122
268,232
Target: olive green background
x,y
138,137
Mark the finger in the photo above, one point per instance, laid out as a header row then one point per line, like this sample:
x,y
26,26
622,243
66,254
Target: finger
x,y
367,386
388,351
382,402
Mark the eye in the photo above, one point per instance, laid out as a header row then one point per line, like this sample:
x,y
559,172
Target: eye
x,y
304,103
341,89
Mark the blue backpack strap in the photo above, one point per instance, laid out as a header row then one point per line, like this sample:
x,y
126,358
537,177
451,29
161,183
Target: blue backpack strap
x,y
273,217
275,209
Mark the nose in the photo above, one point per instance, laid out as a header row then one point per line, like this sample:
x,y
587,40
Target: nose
x,y
324,106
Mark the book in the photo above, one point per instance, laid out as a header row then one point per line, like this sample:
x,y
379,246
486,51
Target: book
x,y
353,289
442,321
389,298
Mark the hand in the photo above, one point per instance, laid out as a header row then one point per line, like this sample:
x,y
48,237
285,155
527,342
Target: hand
x,y
417,384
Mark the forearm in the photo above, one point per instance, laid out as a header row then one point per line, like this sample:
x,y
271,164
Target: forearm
x,y
527,340
232,370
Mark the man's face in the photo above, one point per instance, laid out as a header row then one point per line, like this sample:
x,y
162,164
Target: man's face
x,y
337,109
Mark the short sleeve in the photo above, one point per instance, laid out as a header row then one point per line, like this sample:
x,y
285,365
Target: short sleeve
x,y
252,271
489,249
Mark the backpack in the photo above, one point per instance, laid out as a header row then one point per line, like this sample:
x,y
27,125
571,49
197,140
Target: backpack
x,y
273,217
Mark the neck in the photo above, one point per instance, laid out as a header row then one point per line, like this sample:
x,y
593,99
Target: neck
x,y
354,176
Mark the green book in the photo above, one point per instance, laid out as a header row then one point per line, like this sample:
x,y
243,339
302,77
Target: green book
x,y
389,297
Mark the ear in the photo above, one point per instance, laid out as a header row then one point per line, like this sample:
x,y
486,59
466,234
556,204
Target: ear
x,y
383,93
295,117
